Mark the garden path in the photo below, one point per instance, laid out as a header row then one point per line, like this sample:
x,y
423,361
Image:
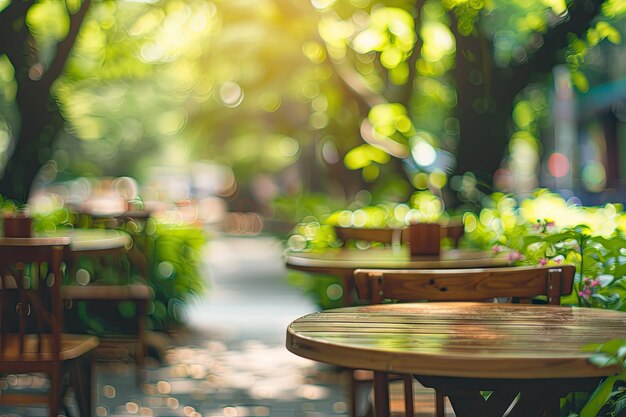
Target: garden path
x,y
232,361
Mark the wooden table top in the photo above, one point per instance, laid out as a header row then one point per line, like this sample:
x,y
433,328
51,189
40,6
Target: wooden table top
x,y
78,239
391,258
469,340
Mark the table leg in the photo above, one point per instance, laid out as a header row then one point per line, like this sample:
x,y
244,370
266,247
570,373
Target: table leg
x,y
515,398
524,404
536,403
381,394
348,288
505,398
500,401
472,403
468,404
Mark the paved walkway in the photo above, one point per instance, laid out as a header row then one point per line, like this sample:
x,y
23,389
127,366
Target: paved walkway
x,y
249,297
233,363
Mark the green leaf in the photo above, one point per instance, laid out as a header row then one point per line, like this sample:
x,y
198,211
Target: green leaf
x,y
600,298
612,346
602,360
528,240
620,270
598,398
605,279
621,352
619,405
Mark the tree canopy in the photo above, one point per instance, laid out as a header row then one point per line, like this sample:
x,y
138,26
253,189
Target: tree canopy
x,y
333,96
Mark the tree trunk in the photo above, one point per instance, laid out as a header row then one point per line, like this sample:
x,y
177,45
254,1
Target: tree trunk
x,y
486,92
484,107
41,122
40,116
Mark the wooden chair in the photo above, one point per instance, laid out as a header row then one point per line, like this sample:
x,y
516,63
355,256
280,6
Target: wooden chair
x,y
519,284
31,320
387,236
119,286
395,236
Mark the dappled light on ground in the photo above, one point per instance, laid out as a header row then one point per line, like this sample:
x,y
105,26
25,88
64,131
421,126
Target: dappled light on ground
x,y
210,379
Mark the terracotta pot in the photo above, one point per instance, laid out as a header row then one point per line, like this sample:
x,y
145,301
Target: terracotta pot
x,y
425,238
17,226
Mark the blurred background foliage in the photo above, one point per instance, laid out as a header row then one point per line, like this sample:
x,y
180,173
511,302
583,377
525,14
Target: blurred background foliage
x,y
363,101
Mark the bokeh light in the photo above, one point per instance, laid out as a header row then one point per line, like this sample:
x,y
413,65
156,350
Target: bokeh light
x,y
231,94
559,165
593,176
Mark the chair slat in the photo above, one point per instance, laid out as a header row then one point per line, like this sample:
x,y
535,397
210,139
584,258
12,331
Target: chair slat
x,y
464,284
31,320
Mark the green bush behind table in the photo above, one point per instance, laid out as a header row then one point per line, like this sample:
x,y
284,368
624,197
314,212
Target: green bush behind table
x,y
173,255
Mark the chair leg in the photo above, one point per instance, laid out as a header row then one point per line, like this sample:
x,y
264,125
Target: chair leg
x,y
409,410
359,391
140,352
381,394
81,380
440,405
87,383
54,399
353,393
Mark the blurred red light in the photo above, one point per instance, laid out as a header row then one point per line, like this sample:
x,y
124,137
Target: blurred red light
x,y
558,165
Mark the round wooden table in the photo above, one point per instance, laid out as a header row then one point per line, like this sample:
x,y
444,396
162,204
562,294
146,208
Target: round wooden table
x,y
80,240
462,348
333,260
343,262
84,240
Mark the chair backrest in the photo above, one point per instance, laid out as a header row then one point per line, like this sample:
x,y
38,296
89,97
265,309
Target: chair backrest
x,y
520,283
452,231
395,236
30,301
383,235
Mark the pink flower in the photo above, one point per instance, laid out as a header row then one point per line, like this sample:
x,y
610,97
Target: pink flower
x,y
496,249
515,256
543,262
543,225
559,259
588,287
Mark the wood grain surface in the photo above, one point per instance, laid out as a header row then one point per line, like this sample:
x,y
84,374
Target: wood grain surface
x,y
457,339
78,239
471,284
338,260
